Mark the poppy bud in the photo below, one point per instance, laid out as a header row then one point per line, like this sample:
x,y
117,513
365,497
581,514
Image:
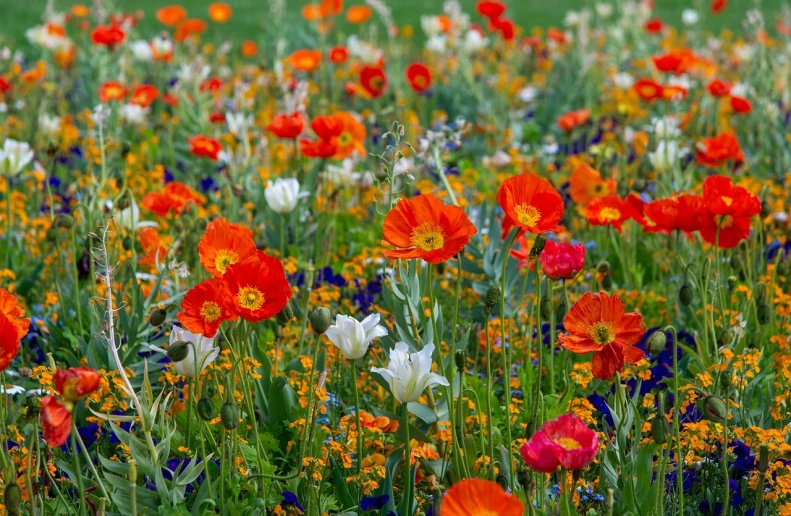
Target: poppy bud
x,y
659,427
761,294
437,497
229,416
685,295
737,261
732,282
763,313
158,316
603,267
12,497
656,342
206,409
523,477
538,246
606,282
320,319
286,314
492,297
714,409
461,360
726,378
178,351
763,458
724,337
545,307
766,209
782,268
52,234
127,243
64,220
502,481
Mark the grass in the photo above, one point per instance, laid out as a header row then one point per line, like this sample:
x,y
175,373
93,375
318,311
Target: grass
x,y
250,15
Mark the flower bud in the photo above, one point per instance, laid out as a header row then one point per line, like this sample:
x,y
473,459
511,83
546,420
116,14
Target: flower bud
x,y
714,409
437,499
286,314
127,243
320,319
685,295
560,310
12,497
538,246
178,351
545,307
502,481
732,282
460,357
229,416
206,409
158,316
737,261
782,268
659,429
64,220
763,313
492,297
656,342
763,458
761,293
52,234
606,282
603,267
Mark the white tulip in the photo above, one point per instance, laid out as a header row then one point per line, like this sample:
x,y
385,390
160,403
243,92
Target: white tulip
x,y
666,155
343,175
474,41
410,374
206,351
353,337
282,195
14,157
665,127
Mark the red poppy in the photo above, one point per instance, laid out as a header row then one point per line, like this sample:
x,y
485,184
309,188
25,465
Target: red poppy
x,y
608,210
505,27
741,105
530,203
174,197
144,95
565,441
475,497
717,6
223,245
9,341
419,77
210,84
258,289
204,146
75,383
373,80
491,9
108,35
152,246
9,307
339,54
648,89
719,88
188,28
205,307
287,126
574,119
112,91
556,35
327,128
424,227
689,213
728,210
654,25
55,421
718,150
597,323
249,48
562,260
5,85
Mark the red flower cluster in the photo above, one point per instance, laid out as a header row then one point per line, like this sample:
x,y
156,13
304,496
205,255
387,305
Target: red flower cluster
x,y
649,89
727,212
574,119
13,326
72,384
339,136
494,11
287,126
174,197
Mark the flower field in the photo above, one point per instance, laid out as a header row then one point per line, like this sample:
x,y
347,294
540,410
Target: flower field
x,y
350,266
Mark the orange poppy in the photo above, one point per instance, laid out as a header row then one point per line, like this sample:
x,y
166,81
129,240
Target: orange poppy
x,y
204,308
174,197
108,35
112,91
339,54
586,184
220,12
152,246
717,151
204,146
419,77
224,244
249,49
171,15
80,11
648,89
358,14
144,95
10,339
424,227
9,307
351,137
373,80
608,210
189,27
741,105
717,6
331,7
530,203
256,289
75,383
327,128
312,12
574,119
287,126
476,497
676,61
598,324
305,60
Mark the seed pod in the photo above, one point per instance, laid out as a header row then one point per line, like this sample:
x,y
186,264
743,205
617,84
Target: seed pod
x,y
714,409
685,295
763,458
606,282
158,316
127,243
603,267
492,297
545,307
659,427
763,313
460,357
761,293
178,351
737,261
12,497
656,342
206,409
229,416
320,319
286,314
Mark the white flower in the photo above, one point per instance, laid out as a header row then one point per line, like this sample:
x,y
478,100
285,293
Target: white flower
x,y
206,351
499,160
141,50
363,50
46,36
432,25
623,80
528,94
238,123
343,175
14,157
49,125
133,114
437,44
282,195
572,19
474,40
410,374
129,218
353,337
666,155
690,17
604,10
665,127
161,47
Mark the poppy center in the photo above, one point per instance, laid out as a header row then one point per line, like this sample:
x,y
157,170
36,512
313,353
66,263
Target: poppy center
x,y
224,258
250,298
527,215
345,139
727,200
568,443
724,221
609,214
210,311
602,333
419,81
428,237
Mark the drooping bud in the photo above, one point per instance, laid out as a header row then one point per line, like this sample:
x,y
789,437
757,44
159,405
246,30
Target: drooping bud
x,y
763,313
761,293
545,308
64,220
606,282
320,319
286,314
685,295
639,185
713,409
178,351
737,261
206,409
229,416
656,342
158,316
12,497
659,427
732,282
52,234
538,246
460,357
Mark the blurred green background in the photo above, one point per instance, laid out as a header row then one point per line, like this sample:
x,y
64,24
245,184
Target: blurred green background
x,y
250,15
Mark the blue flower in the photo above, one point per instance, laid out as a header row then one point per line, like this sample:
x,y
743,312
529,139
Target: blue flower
x,y
374,503
290,498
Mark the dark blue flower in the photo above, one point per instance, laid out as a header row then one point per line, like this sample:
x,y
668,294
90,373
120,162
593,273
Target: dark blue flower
x,y
290,498
374,503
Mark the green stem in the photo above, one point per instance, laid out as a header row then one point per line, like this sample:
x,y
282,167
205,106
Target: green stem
x,y
407,464
506,350
77,469
95,473
357,417
677,423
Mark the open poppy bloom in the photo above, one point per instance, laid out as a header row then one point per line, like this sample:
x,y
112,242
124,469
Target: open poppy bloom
x,y
256,289
562,260
72,384
649,89
112,91
188,28
424,227
305,60
728,210
717,151
373,80
574,119
566,442
144,95
287,126
741,105
491,9
154,251
530,203
419,77
328,129
597,324
220,12
108,35
357,14
204,308
14,313
608,210
223,245
719,88
339,54
174,197
75,383
171,15
205,147
351,137
587,184
476,497
676,61
9,341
